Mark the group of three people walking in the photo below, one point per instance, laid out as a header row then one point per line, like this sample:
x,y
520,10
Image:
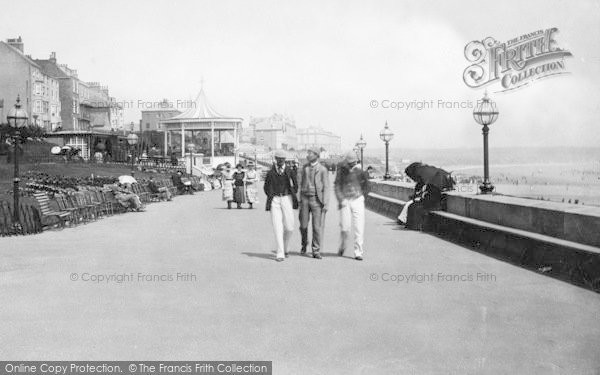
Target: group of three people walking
x,y
240,186
308,190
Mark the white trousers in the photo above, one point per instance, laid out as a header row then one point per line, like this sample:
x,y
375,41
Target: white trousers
x,y
352,216
282,216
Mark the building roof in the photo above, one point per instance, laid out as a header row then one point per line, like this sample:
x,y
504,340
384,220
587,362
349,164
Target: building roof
x,y
201,110
51,69
18,52
154,110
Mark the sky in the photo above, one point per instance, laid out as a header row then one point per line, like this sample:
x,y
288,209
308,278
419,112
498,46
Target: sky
x,y
324,62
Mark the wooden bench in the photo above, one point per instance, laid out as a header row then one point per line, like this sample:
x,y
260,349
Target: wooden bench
x,y
47,211
139,190
168,183
64,206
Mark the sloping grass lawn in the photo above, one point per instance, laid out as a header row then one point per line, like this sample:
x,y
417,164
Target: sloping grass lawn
x,y
73,169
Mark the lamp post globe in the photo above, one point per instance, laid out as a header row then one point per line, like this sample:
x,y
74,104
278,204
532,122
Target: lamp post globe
x,y
132,139
386,136
361,144
485,114
16,118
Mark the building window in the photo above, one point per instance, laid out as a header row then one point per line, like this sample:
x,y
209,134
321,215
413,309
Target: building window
x,y
147,125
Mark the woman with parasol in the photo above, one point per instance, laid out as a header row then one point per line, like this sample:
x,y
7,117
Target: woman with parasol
x,y
430,182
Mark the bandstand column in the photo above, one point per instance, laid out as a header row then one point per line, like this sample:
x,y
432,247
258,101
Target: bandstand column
x,y
182,140
212,142
165,142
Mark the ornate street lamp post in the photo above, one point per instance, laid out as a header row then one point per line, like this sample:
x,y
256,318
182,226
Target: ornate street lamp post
x,y
485,113
191,148
132,140
361,144
17,118
386,135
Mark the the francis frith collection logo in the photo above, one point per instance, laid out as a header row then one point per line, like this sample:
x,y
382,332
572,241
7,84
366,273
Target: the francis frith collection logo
x,y
514,63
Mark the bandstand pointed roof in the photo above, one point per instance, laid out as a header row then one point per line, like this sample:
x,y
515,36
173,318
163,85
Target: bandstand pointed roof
x,y
201,111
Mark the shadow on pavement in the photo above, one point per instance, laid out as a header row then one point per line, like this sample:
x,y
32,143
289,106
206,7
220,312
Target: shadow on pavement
x,y
260,255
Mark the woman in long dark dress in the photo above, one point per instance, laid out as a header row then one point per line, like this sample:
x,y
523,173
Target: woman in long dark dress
x,y
428,198
239,193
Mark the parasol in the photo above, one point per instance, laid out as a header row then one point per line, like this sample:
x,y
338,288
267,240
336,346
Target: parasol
x,y
429,174
126,179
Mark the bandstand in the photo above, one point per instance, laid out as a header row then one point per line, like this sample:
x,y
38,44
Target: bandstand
x,y
216,137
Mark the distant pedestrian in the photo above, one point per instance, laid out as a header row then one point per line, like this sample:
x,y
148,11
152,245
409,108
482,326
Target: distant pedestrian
x,y
251,185
227,182
351,185
239,192
313,183
281,187
370,172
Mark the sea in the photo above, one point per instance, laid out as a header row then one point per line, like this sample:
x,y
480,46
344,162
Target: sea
x,y
559,174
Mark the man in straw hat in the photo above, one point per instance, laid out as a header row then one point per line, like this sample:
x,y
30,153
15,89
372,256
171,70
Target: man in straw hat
x,y
281,188
313,183
350,189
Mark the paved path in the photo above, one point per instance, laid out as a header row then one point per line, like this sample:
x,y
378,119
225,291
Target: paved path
x,y
307,316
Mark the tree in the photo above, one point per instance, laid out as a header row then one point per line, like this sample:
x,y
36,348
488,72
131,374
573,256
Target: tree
x,y
30,131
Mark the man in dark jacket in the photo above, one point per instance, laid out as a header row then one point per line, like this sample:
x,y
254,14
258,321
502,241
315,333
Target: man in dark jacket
x,y
281,187
313,184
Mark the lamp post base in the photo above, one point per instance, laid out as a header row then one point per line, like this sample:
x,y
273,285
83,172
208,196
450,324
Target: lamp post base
x,y
387,176
486,188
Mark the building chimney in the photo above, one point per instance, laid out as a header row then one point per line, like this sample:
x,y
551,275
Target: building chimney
x,y
53,57
17,43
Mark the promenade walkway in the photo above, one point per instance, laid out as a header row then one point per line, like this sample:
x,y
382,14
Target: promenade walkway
x,y
234,302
